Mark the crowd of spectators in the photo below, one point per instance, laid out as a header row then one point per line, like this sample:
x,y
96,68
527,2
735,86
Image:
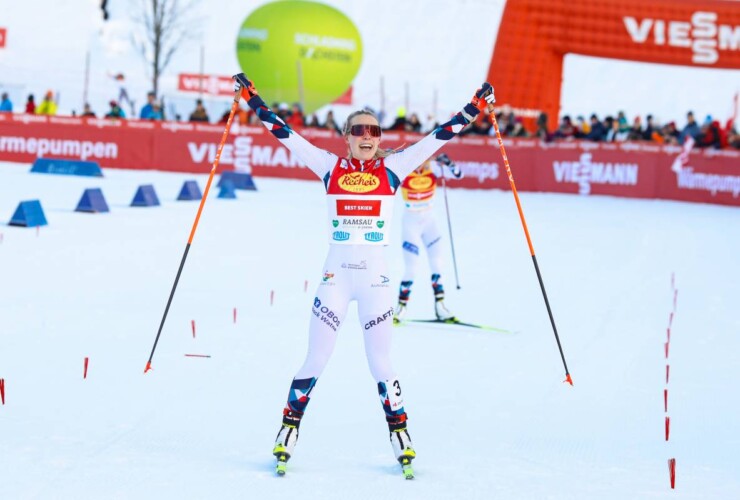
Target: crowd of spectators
x,y
709,134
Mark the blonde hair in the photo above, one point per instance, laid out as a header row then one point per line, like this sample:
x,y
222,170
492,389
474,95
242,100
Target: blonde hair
x,y
379,153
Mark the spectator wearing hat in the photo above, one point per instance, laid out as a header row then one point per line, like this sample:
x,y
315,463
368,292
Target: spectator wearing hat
x,y
47,106
115,112
6,106
30,105
199,114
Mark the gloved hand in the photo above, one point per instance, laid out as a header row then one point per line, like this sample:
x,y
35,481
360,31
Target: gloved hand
x,y
484,97
241,82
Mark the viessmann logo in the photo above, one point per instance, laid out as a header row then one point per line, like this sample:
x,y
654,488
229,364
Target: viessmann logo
x,y
585,172
701,34
359,182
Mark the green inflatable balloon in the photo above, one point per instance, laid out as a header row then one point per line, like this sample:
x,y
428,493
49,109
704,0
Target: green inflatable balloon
x,y
299,51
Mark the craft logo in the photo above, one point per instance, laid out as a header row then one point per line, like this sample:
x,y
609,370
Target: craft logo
x,y
380,224
335,223
373,322
701,34
359,182
369,208
374,236
421,182
585,172
340,236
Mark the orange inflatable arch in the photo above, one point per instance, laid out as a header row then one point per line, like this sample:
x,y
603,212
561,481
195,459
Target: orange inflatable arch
x,y
534,36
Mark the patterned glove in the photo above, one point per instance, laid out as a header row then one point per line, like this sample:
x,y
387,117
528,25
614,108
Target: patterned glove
x,y
483,96
241,82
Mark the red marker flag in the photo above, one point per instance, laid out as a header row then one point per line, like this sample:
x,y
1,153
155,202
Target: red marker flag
x,y
84,373
192,325
672,472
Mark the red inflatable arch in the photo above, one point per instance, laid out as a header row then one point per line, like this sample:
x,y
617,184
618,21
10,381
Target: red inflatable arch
x,y
534,36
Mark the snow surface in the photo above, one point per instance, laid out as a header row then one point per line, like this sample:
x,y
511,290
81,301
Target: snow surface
x,y
489,414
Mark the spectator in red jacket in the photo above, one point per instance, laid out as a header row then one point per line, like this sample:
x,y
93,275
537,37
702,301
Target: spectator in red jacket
x,y
30,105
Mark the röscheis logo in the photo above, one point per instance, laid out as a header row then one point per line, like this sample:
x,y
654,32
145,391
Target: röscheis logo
x,y
702,34
243,154
585,172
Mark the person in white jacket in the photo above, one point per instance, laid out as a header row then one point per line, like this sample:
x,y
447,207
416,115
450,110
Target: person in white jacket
x,y
420,231
360,191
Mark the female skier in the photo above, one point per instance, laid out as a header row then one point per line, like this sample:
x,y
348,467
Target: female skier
x,y
419,228
359,191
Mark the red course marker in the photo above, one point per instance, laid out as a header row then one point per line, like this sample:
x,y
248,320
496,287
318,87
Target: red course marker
x,y
665,399
84,373
192,325
305,282
667,372
667,427
666,349
672,472
272,296
2,390
235,315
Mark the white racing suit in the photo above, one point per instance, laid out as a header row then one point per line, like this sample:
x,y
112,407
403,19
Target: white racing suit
x,y
360,197
420,228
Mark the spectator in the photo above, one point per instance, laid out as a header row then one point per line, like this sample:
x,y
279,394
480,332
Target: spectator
x,y
582,128
6,106
199,114
670,133
30,105
542,133
650,129
115,112
635,132
691,128
413,124
566,130
314,121
295,117
710,135
400,122
616,132
519,130
87,111
148,108
597,131
156,113
47,106
330,123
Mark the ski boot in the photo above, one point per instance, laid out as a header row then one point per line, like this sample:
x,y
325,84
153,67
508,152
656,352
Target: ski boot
x,y
403,300
401,443
443,314
286,440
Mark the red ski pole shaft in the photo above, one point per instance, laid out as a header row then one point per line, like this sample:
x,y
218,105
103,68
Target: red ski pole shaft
x,y
234,107
529,242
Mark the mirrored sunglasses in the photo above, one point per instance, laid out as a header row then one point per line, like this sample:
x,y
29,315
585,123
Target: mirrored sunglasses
x,y
359,130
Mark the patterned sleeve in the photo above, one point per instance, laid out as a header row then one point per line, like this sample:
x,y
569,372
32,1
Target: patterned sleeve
x,y
318,160
405,161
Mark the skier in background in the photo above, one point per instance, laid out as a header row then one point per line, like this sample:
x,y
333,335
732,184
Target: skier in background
x,y
360,191
420,229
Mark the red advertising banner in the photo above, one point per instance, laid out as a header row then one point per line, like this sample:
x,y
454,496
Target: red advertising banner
x,y
205,84
632,170
3,37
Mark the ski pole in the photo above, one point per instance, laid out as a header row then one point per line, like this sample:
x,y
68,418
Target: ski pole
x,y
234,106
449,227
529,242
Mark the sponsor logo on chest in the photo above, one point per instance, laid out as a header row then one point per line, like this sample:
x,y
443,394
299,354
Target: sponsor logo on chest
x,y
358,182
